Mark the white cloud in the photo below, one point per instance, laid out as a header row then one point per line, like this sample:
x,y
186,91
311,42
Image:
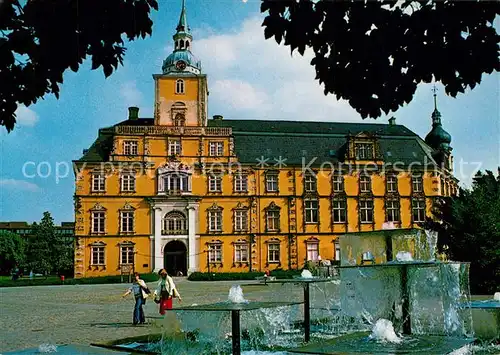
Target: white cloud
x,y
130,93
250,77
26,116
18,184
239,95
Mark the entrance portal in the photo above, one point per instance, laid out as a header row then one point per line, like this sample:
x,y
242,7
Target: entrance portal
x,y
175,258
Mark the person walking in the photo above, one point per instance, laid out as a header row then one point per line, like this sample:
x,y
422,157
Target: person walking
x,y
165,292
141,292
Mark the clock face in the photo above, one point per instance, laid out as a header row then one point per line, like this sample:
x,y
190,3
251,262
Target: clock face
x,y
180,65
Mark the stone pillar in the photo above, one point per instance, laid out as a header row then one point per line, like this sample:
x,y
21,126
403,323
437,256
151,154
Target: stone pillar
x,y
192,245
158,255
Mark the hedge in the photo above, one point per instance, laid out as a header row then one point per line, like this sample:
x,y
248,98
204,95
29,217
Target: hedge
x,y
55,280
229,276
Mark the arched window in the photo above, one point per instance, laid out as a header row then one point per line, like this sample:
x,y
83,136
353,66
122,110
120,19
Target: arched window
x,y
176,44
174,223
175,183
179,120
181,44
179,86
187,44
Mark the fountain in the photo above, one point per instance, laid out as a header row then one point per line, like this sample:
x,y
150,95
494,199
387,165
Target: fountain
x,y
409,303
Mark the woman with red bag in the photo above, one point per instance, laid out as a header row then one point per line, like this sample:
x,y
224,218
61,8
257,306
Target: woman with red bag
x,y
165,292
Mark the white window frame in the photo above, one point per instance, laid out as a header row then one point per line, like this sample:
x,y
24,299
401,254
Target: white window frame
x,y
240,183
392,208
240,252
127,182
215,221
364,151
127,221
417,184
100,218
391,183
214,183
240,220
339,210
214,253
174,225
338,183
174,182
174,147
98,182
312,250
273,253
271,182
274,216
130,148
365,183
216,149
100,252
180,86
310,183
310,207
336,245
366,211
127,250
418,209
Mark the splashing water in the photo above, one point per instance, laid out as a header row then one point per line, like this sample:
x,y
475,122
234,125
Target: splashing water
x,y
404,256
47,348
236,295
496,296
384,331
306,274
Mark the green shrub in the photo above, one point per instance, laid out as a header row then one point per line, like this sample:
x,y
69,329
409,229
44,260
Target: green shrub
x,y
229,276
55,280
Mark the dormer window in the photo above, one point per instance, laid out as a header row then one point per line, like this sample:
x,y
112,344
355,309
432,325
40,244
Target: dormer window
x,y
179,86
363,151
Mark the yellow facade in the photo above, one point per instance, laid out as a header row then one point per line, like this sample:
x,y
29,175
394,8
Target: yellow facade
x,y
144,199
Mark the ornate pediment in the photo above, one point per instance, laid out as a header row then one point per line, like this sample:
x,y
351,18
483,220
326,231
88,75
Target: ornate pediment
x,y
128,206
240,206
98,207
175,166
214,207
273,206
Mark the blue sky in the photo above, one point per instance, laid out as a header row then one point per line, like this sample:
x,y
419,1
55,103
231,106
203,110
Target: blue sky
x,y
248,78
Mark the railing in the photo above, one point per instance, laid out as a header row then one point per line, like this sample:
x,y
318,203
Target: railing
x,y
174,232
174,130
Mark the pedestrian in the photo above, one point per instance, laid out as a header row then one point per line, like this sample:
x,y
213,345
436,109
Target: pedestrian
x,y
141,292
165,291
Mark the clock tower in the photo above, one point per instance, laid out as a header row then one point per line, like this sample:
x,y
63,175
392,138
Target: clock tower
x,y
181,90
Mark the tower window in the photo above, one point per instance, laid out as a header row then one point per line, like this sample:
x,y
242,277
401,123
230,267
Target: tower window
x,y
179,86
181,43
187,44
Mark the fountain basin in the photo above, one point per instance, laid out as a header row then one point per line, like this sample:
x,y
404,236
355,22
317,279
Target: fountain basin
x,y
485,319
359,343
68,349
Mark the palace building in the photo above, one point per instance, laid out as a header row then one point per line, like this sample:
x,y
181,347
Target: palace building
x,y
187,193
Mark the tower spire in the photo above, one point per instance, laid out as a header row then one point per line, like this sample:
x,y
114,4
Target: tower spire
x,y
182,26
436,115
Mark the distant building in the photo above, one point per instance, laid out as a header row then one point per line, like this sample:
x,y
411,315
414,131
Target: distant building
x,y
25,230
187,193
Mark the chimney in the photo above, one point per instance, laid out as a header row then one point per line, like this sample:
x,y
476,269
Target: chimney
x,y
133,113
218,117
392,121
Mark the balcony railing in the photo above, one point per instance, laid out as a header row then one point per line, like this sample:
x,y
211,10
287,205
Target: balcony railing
x,y
174,231
174,130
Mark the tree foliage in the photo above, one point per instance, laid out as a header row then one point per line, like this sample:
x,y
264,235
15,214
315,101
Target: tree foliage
x,y
470,225
11,251
374,53
40,39
47,252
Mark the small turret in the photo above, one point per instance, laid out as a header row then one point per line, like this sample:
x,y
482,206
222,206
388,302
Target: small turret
x,y
438,138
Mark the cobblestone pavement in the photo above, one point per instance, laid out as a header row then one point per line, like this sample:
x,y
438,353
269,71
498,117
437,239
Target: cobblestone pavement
x,y
84,314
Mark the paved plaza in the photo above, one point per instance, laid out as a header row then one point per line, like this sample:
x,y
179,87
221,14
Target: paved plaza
x,y
84,314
